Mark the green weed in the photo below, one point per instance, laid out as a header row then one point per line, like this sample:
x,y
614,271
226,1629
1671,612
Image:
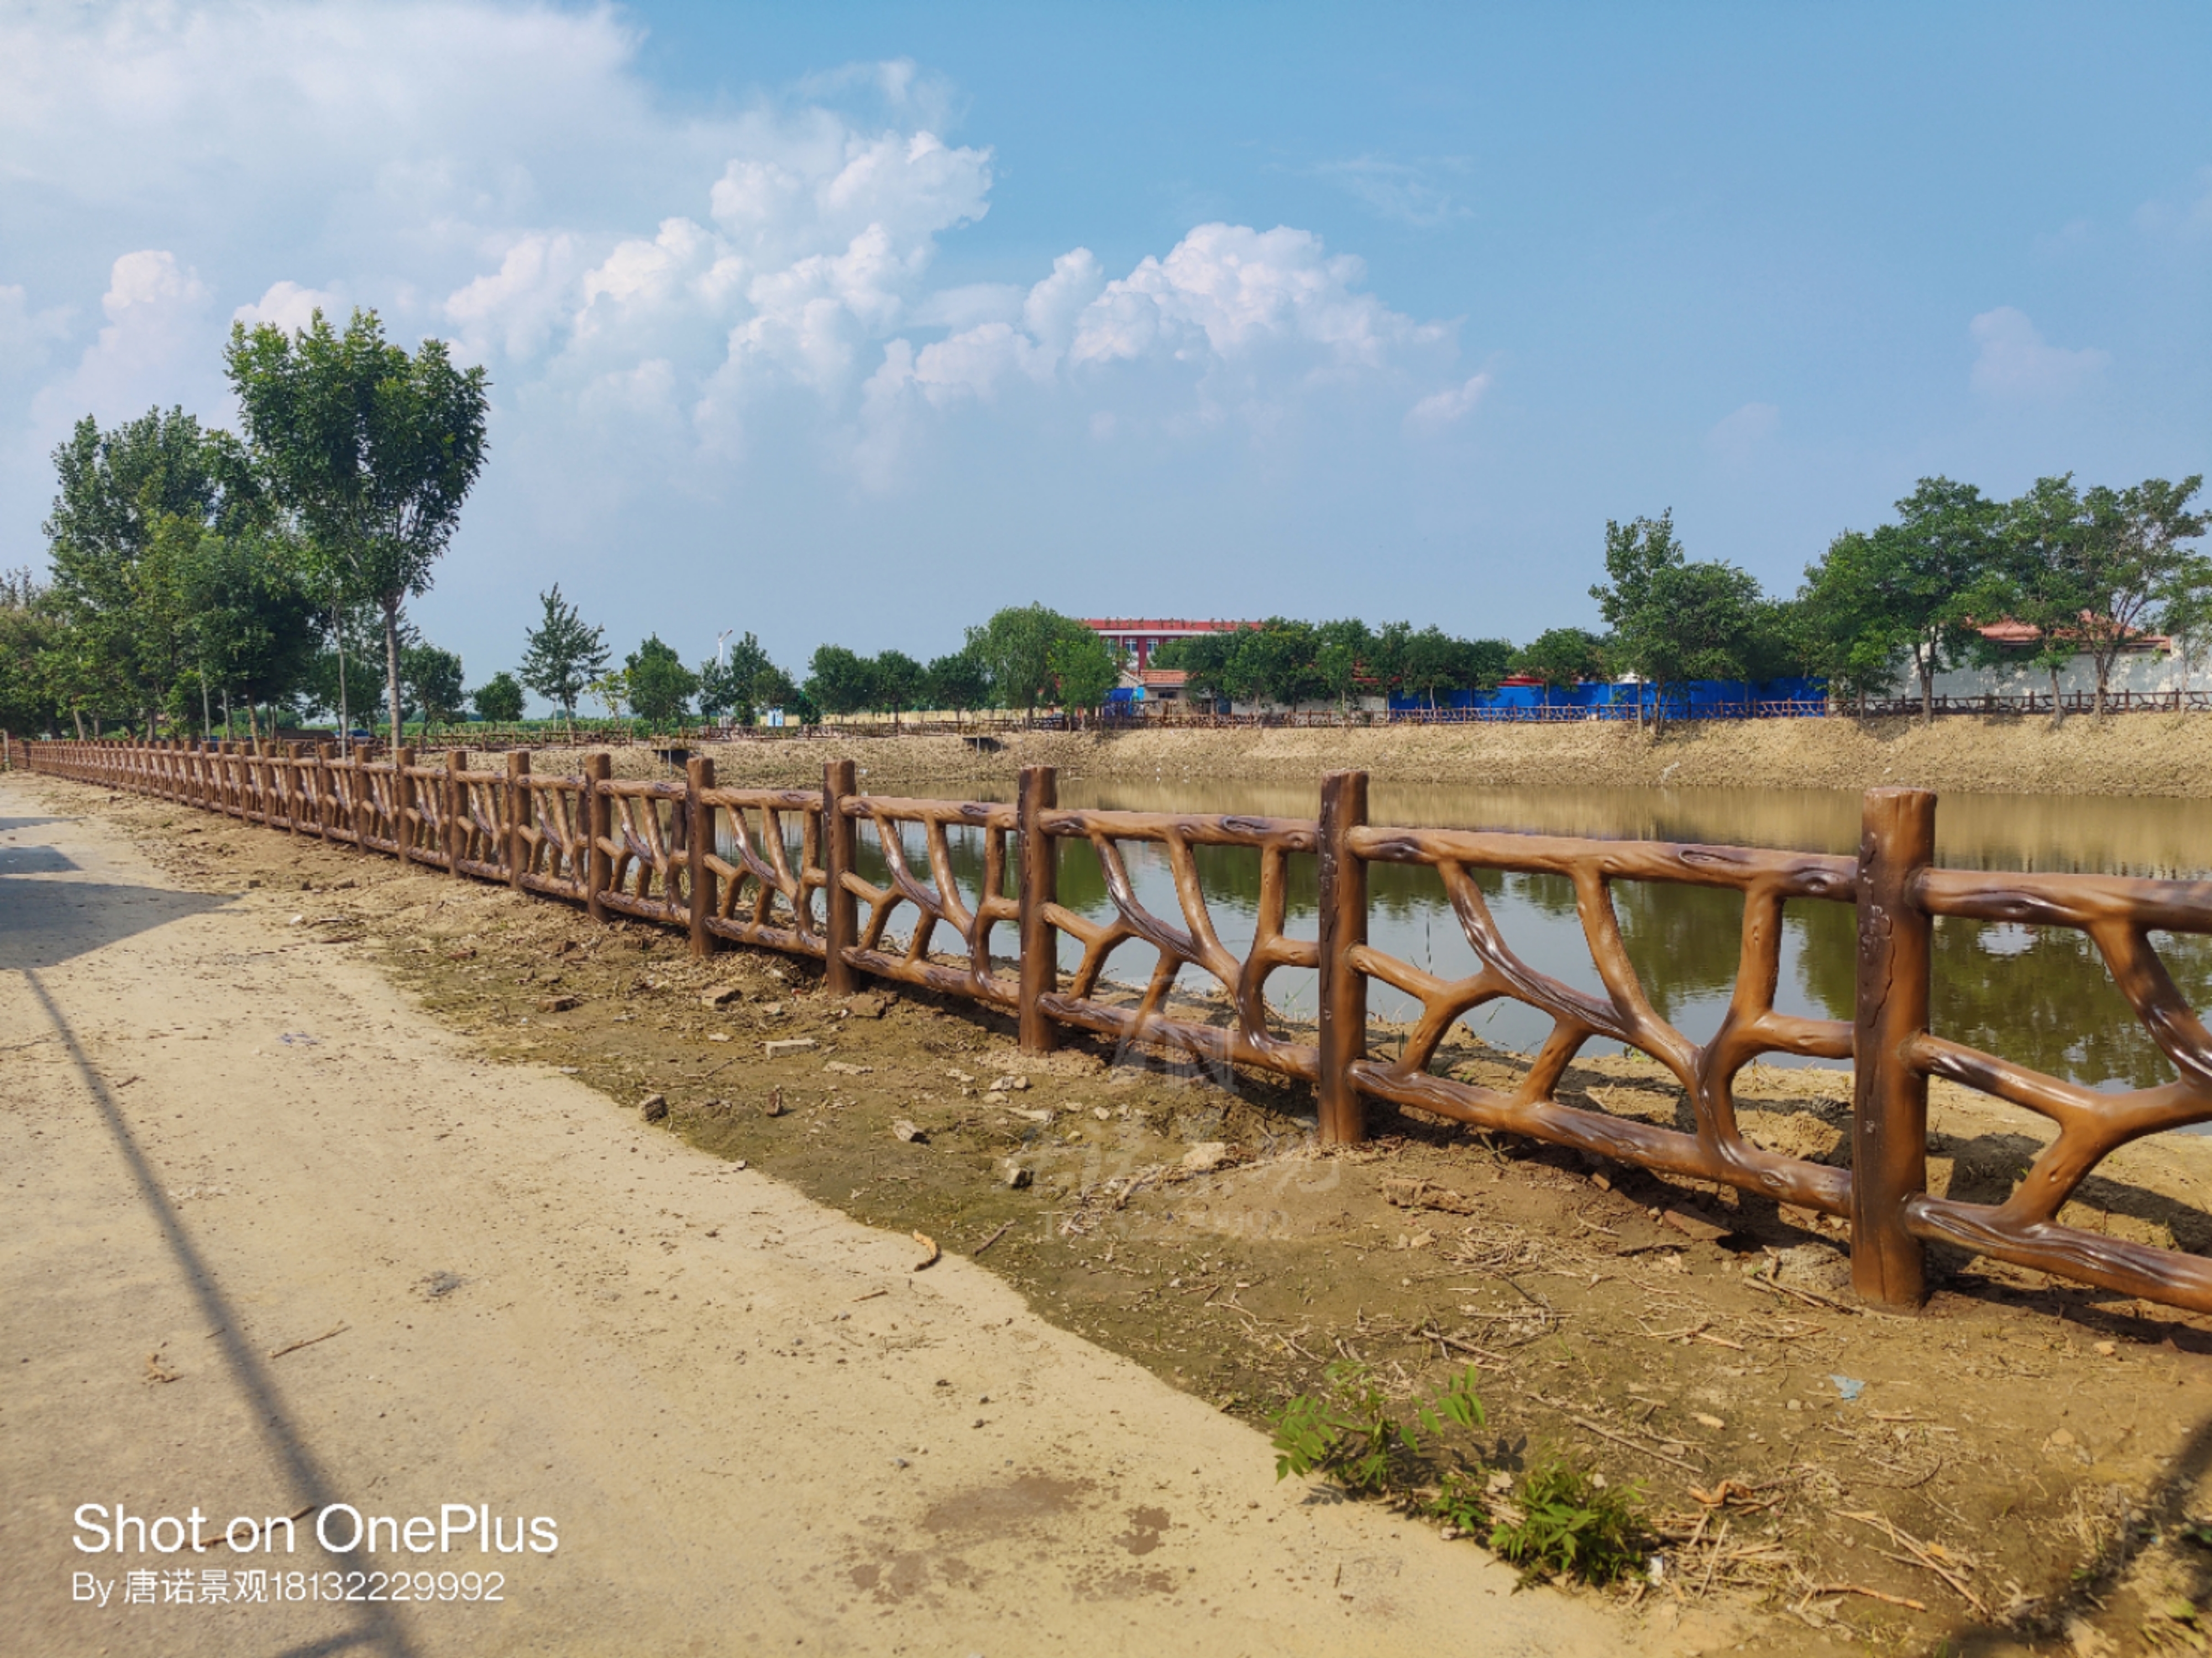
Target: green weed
x,y
1571,1526
1464,1503
1353,1433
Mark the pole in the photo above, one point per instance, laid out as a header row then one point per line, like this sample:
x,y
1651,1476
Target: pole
x,y
1342,992
1039,887
1889,1093
841,923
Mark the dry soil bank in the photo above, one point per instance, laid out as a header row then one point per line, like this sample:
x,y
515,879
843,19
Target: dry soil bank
x,y
2135,754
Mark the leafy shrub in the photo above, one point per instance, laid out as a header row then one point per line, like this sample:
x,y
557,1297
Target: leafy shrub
x,y
1352,1434
1464,1503
1571,1525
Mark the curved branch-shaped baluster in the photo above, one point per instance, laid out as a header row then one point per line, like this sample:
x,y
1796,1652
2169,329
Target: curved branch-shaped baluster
x,y
1271,948
902,888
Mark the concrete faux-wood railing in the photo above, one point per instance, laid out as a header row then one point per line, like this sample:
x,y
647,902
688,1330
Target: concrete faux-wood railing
x,y
717,863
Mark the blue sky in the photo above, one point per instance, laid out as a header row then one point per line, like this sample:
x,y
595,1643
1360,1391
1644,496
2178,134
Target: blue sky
x,y
851,323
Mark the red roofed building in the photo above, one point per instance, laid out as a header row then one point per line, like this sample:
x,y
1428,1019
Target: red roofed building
x,y
1139,636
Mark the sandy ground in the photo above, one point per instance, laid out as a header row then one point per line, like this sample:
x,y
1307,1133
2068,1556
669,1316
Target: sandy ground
x,y
2134,754
753,1426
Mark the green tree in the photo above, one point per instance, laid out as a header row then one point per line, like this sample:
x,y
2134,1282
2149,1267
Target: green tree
x,y
1560,658
1431,660
1673,621
2037,579
256,626
346,674
562,656
1904,588
373,449
611,690
499,699
2185,613
1274,663
660,686
430,681
735,686
1484,663
896,682
840,681
1084,668
1015,648
1207,662
28,633
957,681
2131,556
124,527
1341,650
1843,633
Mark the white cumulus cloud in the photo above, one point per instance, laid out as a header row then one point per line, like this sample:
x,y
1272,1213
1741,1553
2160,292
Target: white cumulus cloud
x,y
1233,288
1449,405
156,310
288,305
2015,361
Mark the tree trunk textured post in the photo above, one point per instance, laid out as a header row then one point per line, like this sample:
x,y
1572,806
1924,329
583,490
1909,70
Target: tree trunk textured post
x,y
699,841
456,795
403,801
841,917
1343,990
1039,885
518,813
599,867
1889,1093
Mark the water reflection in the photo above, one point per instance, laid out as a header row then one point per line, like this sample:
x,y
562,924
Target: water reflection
x,y
2040,996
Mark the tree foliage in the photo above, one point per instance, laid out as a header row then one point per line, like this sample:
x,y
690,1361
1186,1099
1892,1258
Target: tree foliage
x,y
562,655
499,699
373,450
1084,669
430,684
660,686
1560,658
1015,649
1903,591
840,681
1674,620
958,681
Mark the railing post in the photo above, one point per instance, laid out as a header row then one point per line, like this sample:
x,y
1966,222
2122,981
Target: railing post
x,y
699,841
1889,1093
402,796
286,766
841,915
1039,886
455,792
1342,991
324,781
518,813
599,868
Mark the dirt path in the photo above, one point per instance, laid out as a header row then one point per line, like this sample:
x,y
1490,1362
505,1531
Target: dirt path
x,y
753,1425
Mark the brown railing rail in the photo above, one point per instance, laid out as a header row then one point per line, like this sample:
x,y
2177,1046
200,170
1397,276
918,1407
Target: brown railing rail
x,y
717,863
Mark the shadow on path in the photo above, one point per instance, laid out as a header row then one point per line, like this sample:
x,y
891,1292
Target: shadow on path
x,y
45,923
375,1625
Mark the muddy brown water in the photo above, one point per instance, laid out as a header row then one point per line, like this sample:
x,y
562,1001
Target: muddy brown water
x,y
2040,996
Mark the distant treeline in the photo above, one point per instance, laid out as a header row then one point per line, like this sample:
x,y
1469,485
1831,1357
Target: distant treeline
x,y
201,581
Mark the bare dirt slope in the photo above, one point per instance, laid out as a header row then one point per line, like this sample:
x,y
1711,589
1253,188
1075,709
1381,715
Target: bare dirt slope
x,y
274,1242
2133,754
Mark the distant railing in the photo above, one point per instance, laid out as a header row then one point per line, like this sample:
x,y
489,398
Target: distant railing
x,y
495,739
719,863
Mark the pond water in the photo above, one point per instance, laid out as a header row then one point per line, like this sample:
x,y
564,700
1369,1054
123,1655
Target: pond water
x,y
2041,997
